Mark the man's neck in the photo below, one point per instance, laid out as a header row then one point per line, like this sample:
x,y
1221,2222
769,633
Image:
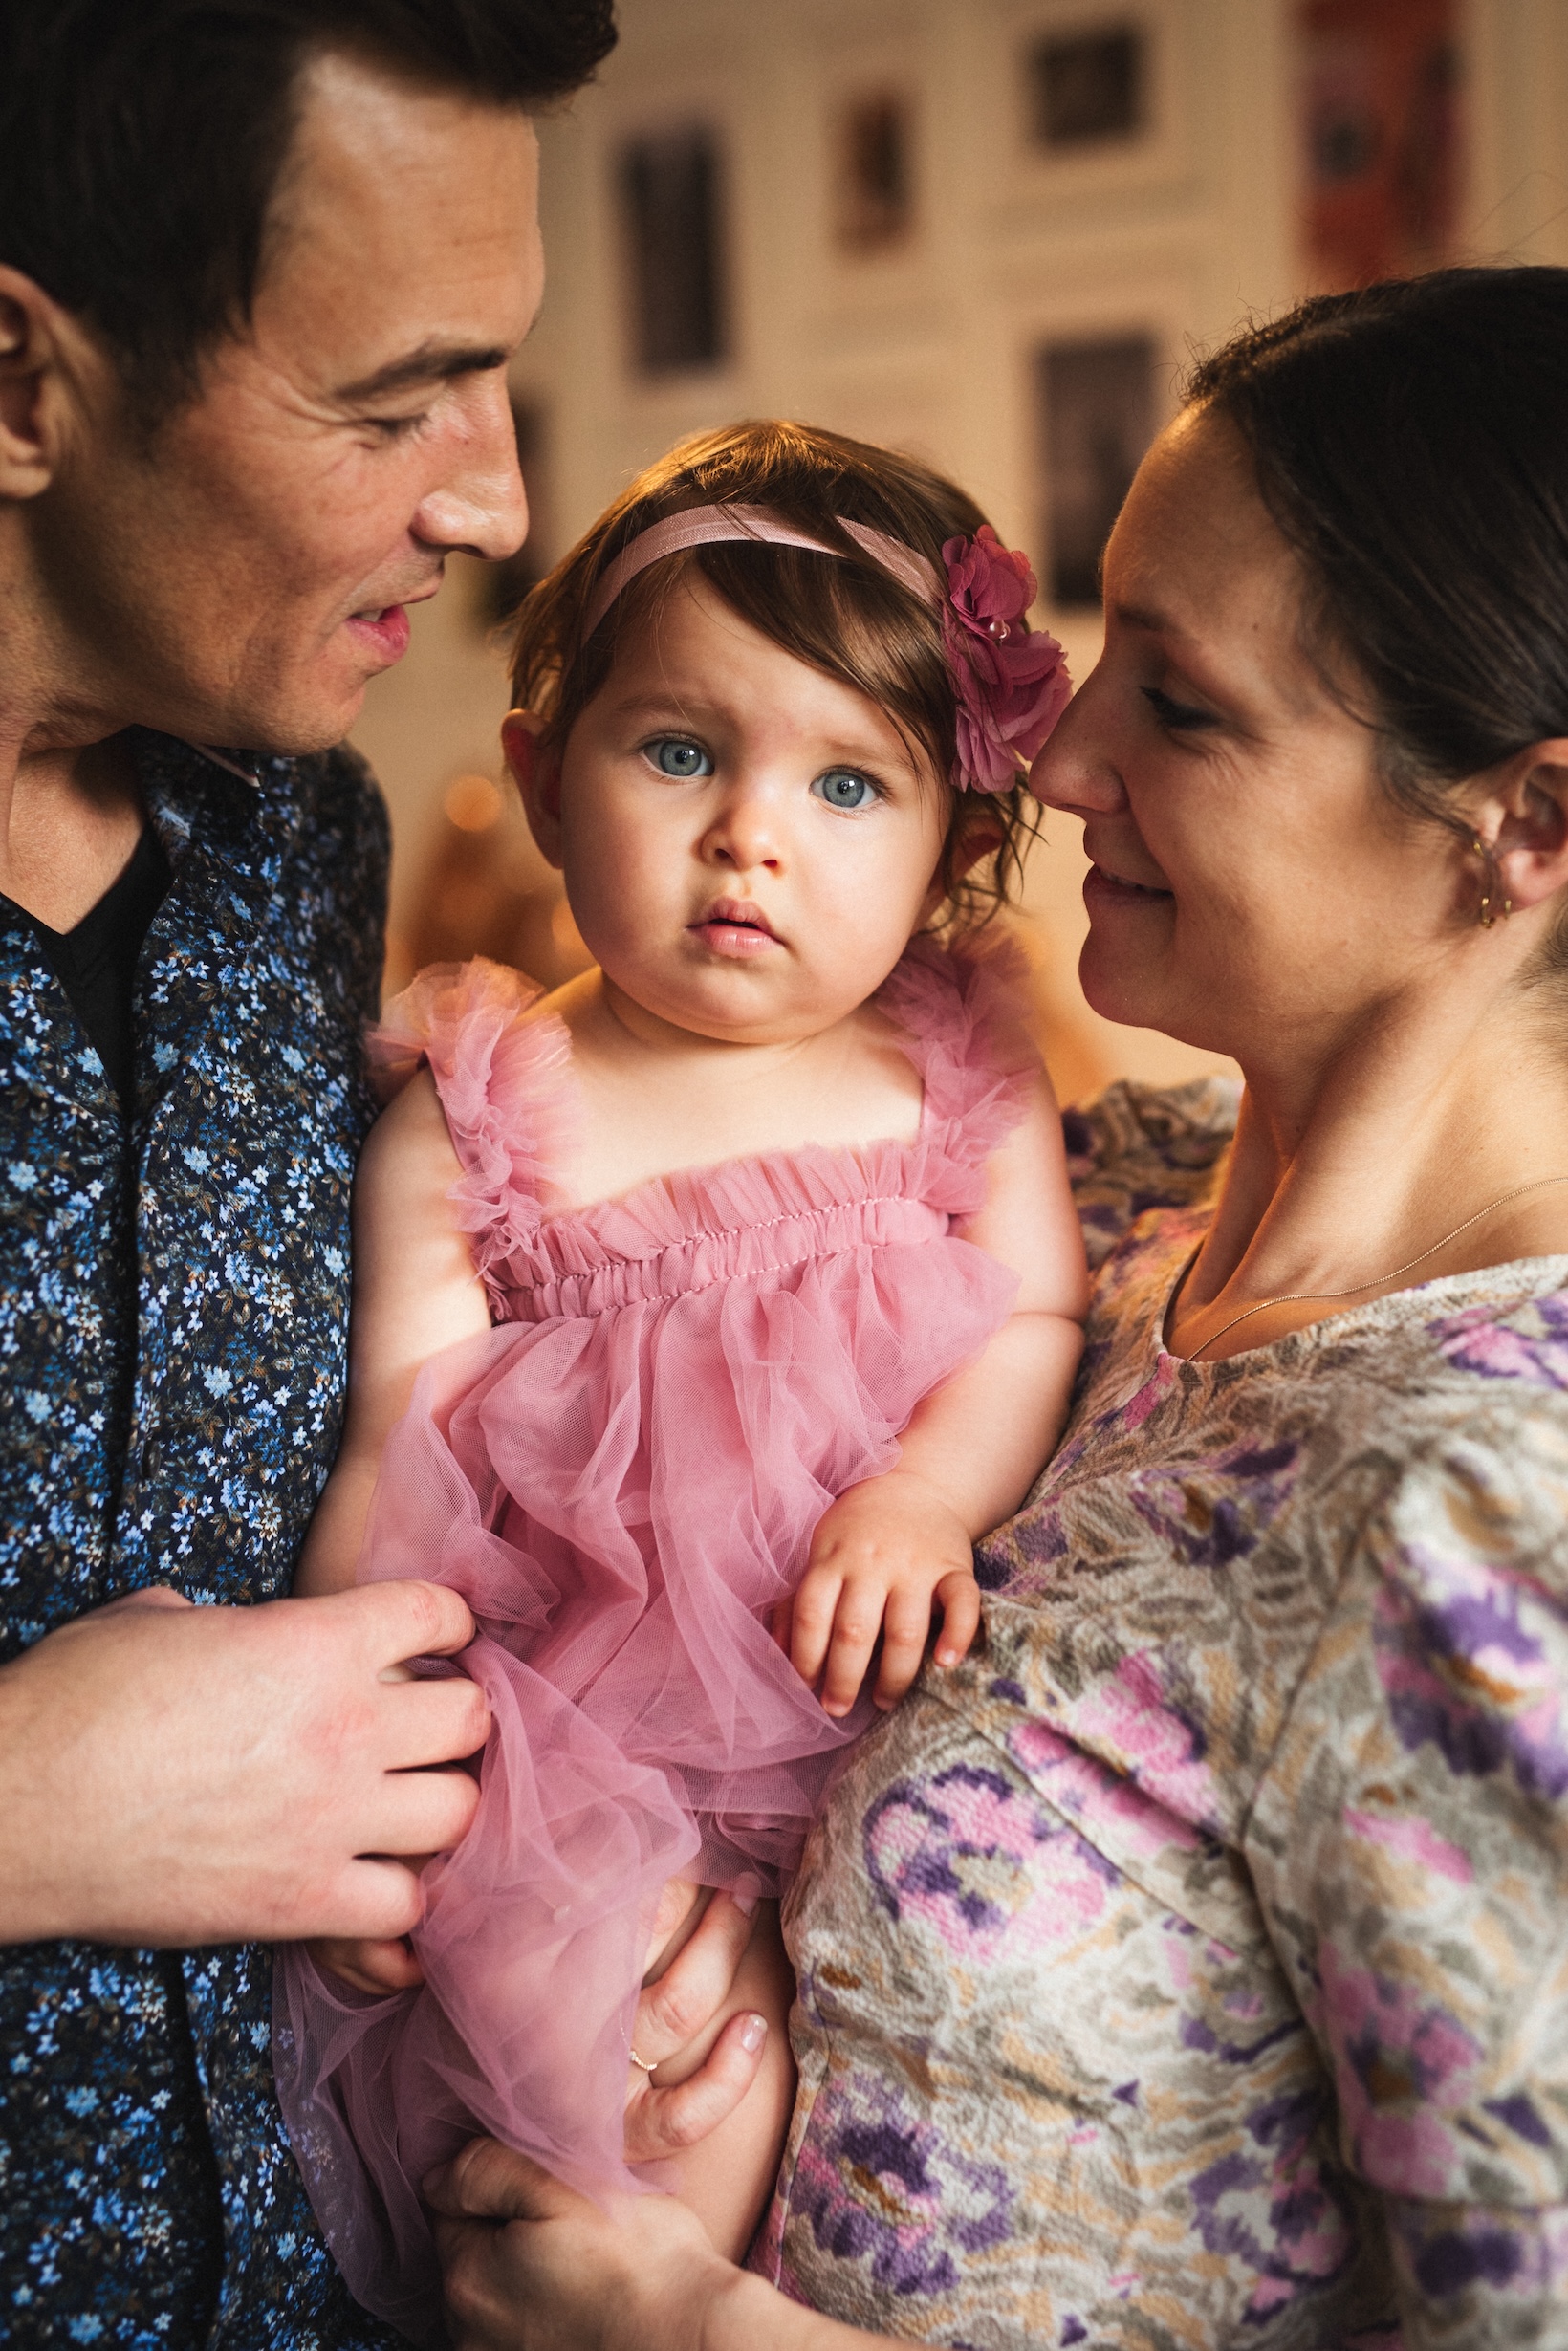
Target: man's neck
x,y
70,809
70,821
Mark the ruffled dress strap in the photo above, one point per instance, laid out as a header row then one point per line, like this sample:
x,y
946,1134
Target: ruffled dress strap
x,y
964,1014
503,1069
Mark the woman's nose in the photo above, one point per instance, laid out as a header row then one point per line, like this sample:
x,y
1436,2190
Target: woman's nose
x,y
1076,771
478,505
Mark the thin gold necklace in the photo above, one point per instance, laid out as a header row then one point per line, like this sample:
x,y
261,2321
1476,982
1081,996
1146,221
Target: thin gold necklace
x,y
1325,1297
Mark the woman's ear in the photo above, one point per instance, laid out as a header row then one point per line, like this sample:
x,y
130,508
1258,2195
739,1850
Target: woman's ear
x,y
1523,822
538,776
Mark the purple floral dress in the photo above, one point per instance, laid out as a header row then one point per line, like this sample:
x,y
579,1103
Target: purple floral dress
x,y
1190,1966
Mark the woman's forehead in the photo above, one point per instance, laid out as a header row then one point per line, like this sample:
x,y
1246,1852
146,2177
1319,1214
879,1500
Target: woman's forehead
x,y
1195,554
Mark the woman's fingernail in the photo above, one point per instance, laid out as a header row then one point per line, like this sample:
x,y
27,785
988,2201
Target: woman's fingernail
x,y
753,2033
744,1904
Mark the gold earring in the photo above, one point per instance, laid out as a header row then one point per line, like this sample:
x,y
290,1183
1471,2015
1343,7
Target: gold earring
x,y
1494,907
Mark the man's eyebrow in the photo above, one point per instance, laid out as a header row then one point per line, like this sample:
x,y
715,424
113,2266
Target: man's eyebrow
x,y
430,363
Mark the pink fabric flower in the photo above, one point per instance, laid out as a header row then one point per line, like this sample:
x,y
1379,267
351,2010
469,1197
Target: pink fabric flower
x,y
1011,680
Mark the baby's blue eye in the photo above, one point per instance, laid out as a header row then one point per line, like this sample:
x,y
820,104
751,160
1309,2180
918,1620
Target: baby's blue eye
x,y
842,788
675,755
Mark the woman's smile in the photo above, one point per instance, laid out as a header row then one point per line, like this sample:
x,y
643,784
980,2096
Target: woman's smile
x,y
1104,887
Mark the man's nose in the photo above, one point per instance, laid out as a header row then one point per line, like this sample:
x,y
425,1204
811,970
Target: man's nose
x,y
479,506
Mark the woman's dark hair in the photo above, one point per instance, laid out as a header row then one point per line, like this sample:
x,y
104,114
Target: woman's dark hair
x,y
847,617
1411,443
141,141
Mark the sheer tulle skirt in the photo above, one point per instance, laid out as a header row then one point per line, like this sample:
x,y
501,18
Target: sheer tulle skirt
x,y
620,1499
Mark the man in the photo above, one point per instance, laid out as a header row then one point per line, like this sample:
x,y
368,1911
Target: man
x,y
262,265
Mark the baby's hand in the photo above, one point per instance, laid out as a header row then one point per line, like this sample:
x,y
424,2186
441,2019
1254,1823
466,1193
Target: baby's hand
x,y
881,1555
366,1965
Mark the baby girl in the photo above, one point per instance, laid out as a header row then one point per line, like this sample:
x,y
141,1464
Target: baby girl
x,y
707,1310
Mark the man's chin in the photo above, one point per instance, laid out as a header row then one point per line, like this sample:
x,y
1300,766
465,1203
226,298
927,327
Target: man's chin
x,y
294,732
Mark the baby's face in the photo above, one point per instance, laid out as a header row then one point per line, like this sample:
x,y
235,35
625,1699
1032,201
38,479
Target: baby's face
x,y
748,845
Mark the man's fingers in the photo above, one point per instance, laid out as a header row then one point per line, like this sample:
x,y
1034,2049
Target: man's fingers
x,y
416,1813
662,2123
373,1967
398,1620
489,2182
696,1984
958,1597
433,1722
812,1627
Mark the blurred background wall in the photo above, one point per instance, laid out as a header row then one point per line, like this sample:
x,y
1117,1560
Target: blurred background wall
x,y
990,231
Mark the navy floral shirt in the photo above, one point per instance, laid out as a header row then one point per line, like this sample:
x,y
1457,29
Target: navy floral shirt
x,y
173,1317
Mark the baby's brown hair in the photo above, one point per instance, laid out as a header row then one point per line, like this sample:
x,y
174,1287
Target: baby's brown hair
x,y
849,617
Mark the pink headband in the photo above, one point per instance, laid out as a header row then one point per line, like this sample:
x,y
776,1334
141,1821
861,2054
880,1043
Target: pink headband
x,y
710,526
1011,681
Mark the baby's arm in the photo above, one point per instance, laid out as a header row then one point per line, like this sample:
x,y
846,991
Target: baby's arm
x,y
415,1291
889,1549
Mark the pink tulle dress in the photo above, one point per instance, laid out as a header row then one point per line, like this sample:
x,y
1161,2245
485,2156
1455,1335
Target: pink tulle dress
x,y
621,1477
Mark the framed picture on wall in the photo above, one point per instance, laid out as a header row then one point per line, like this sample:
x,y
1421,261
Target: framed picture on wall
x,y
1099,412
874,172
1088,85
671,189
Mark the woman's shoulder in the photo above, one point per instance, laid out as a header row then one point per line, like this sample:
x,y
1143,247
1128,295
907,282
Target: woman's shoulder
x,y
1137,1147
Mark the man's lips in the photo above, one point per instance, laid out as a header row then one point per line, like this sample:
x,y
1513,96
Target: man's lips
x,y
734,926
384,628
384,633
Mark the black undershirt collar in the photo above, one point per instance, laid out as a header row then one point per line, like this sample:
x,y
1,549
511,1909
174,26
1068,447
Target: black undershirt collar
x,y
95,961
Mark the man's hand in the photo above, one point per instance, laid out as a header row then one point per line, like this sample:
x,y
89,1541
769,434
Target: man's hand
x,y
564,2276
180,1775
884,1555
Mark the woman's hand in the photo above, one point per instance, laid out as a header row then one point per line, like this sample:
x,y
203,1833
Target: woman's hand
x,y
532,2266
673,2014
884,1557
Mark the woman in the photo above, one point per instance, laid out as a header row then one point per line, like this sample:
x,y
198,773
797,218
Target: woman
x,y
1191,1968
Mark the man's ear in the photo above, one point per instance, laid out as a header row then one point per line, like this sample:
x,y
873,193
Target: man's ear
x,y
45,354
538,776
1523,822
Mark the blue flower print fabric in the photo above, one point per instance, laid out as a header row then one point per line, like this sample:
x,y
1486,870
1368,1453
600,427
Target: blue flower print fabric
x,y
173,1315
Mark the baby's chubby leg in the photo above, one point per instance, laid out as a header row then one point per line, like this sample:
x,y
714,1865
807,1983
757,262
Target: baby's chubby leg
x,y
726,2179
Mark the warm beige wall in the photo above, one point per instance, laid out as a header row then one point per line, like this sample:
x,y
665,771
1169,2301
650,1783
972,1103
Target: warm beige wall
x,y
931,347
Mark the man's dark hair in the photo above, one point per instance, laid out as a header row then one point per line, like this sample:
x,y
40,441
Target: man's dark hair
x,y
141,141
1411,443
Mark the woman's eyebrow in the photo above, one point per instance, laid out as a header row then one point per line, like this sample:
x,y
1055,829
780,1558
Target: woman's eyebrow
x,y
1149,617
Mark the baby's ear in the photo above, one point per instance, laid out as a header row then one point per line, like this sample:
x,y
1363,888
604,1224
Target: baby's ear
x,y
538,776
981,836
980,839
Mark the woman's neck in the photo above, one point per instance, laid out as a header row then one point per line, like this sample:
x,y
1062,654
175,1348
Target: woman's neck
x,y
1352,1168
